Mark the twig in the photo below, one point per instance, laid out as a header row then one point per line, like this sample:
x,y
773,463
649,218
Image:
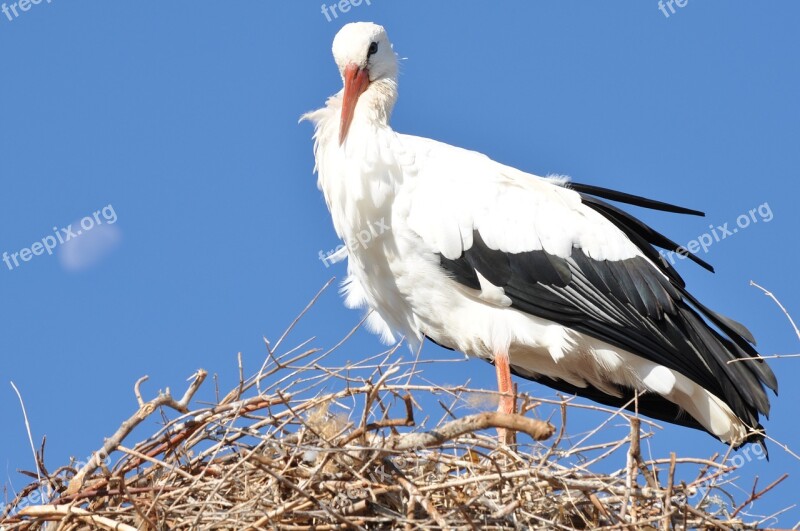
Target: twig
x,y
28,429
133,502
145,409
537,429
634,456
770,357
45,511
415,493
783,309
668,495
756,495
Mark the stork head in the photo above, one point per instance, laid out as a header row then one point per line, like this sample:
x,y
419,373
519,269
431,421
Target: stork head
x,y
364,55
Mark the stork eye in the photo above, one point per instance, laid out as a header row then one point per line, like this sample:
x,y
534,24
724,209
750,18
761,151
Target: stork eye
x,y
373,49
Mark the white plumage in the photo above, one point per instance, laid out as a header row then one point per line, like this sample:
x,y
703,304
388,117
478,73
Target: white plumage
x,y
427,274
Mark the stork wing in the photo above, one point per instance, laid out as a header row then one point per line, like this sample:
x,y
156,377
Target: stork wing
x,y
561,254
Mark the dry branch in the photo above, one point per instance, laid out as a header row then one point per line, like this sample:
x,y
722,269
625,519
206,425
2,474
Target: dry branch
x,y
145,409
303,445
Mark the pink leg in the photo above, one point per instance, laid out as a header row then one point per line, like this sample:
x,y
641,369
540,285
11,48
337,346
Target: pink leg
x,y
506,389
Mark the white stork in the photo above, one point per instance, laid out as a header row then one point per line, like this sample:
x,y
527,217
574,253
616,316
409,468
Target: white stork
x,y
536,275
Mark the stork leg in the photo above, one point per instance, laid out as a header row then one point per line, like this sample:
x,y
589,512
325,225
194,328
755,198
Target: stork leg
x,y
505,386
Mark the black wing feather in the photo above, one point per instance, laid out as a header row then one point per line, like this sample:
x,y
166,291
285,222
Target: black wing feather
x,y
630,225
631,199
631,305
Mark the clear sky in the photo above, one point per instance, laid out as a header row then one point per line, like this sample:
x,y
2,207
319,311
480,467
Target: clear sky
x,y
169,129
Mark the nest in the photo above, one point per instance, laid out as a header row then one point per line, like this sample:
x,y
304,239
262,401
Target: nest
x,y
303,445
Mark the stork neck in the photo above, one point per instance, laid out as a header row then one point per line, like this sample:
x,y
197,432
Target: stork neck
x,y
379,100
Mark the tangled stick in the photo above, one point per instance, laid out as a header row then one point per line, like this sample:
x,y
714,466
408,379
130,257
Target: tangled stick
x,y
303,444
145,410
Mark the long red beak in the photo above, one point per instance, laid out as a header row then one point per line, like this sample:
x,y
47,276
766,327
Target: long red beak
x,y
356,81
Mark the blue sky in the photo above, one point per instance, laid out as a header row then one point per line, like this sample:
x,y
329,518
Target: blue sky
x,y
178,121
